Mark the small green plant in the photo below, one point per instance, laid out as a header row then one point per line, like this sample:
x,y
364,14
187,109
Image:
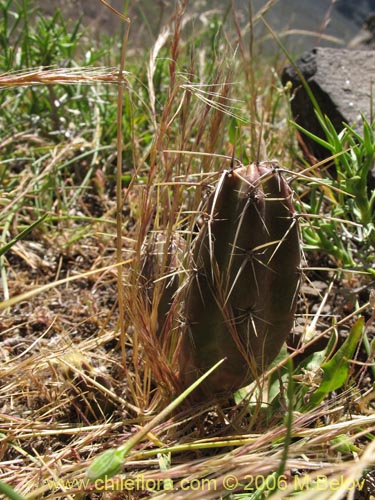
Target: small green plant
x,y
46,42
241,295
30,40
341,207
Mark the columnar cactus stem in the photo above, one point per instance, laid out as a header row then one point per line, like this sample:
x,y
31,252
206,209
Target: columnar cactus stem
x,y
241,296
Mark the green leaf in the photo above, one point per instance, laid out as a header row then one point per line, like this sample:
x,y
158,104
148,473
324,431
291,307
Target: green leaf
x,y
233,130
107,465
343,444
21,235
314,137
9,492
336,370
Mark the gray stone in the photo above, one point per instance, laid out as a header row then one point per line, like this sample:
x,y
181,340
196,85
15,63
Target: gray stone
x,y
342,82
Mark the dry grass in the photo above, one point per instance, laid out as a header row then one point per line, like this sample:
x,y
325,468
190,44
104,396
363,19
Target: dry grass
x,y
79,377
64,76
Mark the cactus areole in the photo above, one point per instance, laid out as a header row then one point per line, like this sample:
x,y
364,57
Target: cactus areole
x,y
241,295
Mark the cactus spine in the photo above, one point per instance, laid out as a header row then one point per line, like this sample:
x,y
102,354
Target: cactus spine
x,y
241,296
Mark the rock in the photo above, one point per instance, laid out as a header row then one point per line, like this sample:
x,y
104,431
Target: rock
x,y
341,82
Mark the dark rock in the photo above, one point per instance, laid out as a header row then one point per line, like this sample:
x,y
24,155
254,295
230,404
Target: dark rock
x,y
341,81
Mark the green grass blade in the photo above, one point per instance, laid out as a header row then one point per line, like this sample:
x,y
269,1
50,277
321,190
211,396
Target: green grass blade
x,y
21,235
314,137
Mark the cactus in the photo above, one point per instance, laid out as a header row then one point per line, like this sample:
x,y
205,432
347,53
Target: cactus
x,y
241,295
